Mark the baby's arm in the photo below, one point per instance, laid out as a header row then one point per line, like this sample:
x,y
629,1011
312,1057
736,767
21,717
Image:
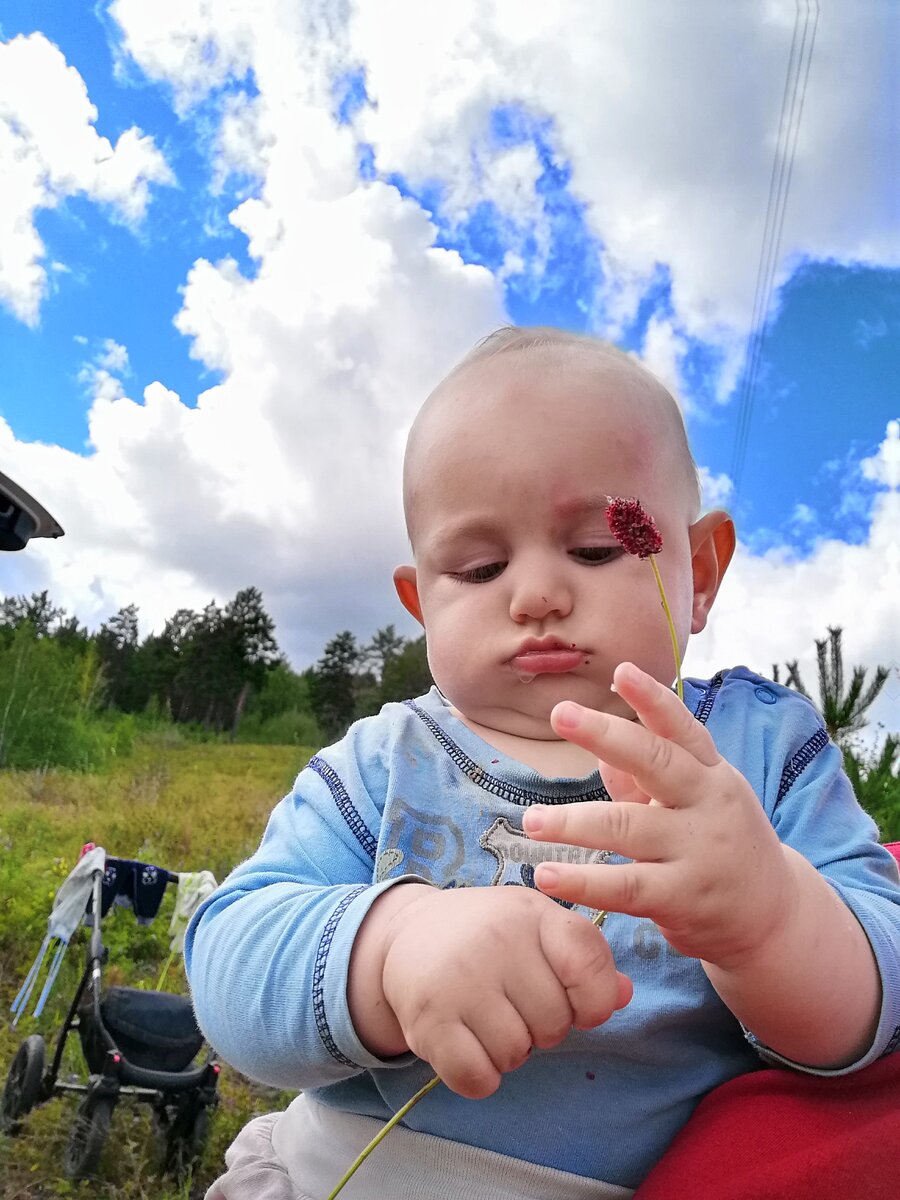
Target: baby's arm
x,y
471,979
777,939
267,953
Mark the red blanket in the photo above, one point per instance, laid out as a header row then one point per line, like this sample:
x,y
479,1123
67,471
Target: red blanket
x,y
777,1135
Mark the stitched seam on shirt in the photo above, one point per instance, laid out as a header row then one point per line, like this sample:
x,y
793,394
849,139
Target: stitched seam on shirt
x,y
801,760
318,994
345,806
480,777
705,706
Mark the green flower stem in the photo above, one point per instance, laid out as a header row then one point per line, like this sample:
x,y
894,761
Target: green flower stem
x,y
679,686
382,1133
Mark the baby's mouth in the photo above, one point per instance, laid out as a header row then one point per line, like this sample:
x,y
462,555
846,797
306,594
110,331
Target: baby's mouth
x,y
547,656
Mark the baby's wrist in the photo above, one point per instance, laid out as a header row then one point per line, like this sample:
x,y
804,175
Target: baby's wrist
x,y
768,931
373,1017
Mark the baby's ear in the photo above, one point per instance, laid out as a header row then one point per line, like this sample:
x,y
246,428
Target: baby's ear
x,y
712,544
408,591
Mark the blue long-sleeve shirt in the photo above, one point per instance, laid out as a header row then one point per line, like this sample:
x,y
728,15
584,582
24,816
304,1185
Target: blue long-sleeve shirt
x,y
413,793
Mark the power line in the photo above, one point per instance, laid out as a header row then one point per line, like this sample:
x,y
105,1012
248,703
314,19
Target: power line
x,y
799,61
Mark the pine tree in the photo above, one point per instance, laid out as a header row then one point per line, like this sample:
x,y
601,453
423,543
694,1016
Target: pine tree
x,y
36,609
383,648
333,684
117,643
407,674
844,712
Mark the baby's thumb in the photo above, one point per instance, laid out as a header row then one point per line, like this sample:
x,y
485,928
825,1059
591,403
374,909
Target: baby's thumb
x,y
621,785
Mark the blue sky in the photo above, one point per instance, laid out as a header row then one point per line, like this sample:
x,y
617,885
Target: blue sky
x,y
825,393
511,184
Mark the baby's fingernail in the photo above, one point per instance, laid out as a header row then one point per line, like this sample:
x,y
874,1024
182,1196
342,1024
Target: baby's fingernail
x,y
546,875
533,821
613,688
568,715
630,672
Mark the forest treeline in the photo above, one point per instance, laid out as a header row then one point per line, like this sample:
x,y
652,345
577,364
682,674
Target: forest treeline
x,y
74,698
70,697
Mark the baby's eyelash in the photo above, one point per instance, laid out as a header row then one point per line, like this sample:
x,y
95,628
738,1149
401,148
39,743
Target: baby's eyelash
x,y
483,574
596,554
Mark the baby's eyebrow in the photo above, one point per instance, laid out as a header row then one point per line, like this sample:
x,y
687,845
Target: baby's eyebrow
x,y
582,506
449,536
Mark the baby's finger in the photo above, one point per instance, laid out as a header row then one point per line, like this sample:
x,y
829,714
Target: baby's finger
x,y
621,785
660,766
638,889
663,713
640,831
461,1061
580,957
502,1033
543,1004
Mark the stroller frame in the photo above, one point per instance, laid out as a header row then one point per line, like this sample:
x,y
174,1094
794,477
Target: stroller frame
x,y
181,1100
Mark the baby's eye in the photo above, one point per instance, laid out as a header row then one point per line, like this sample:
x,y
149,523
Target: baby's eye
x,y
595,554
482,574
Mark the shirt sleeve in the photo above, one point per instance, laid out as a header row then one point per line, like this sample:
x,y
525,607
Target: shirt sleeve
x,y
813,809
267,954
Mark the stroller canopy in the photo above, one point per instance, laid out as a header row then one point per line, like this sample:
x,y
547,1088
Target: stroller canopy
x,y
22,518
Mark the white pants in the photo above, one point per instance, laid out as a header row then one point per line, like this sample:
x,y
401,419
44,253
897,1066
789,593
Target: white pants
x,y
300,1154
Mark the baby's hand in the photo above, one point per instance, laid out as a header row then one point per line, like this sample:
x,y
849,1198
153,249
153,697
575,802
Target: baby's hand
x,y
708,867
478,976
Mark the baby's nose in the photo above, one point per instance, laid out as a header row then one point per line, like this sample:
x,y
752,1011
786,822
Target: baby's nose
x,y
537,595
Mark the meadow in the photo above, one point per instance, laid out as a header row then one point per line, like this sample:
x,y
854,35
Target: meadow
x,y
183,805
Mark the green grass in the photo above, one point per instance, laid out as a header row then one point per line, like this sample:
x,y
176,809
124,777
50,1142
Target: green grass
x,y
185,806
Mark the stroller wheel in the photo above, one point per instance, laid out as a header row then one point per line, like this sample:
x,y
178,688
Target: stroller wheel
x,y
23,1084
88,1136
185,1142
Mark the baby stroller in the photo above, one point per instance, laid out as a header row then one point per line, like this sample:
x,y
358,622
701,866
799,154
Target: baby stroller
x,y
137,1045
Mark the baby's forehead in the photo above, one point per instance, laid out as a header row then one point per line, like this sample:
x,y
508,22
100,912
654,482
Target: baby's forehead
x,y
537,386
573,393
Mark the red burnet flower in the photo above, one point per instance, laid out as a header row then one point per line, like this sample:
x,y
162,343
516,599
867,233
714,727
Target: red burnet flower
x,y
637,533
633,527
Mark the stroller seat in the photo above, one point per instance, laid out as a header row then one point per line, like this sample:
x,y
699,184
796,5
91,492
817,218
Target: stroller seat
x,y
137,1044
154,1030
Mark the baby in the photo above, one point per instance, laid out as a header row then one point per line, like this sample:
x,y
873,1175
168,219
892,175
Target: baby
x,y
421,903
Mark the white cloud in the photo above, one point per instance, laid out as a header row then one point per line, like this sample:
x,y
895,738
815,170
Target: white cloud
x,y
670,146
669,132
113,357
715,490
49,149
884,467
286,473
101,375
803,515
663,352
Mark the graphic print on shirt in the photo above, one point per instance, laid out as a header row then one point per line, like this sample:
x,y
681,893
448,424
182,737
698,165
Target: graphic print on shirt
x,y
516,855
433,846
427,844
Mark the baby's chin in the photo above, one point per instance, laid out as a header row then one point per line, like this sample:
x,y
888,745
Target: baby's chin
x,y
525,712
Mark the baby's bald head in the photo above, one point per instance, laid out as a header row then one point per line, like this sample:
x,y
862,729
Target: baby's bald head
x,y
532,374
